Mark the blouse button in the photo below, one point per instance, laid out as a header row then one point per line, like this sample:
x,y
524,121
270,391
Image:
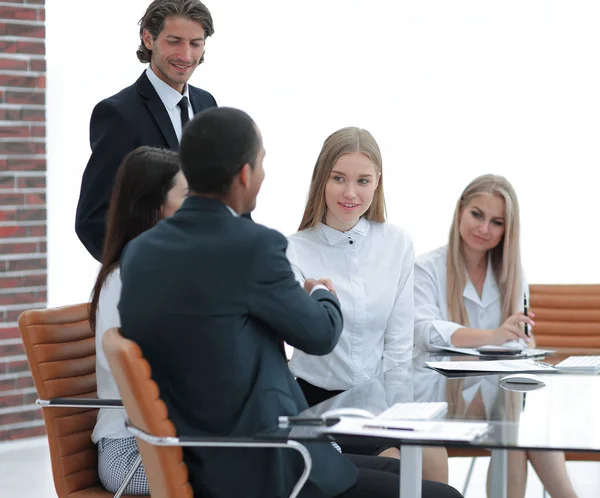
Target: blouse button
x,y
351,242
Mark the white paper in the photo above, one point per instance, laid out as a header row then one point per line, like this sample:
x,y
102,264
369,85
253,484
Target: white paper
x,y
490,366
525,353
414,411
421,430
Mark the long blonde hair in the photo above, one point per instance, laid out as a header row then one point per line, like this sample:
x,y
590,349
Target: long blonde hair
x,y
505,257
344,141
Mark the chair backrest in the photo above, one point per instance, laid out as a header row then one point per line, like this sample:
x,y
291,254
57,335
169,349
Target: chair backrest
x,y
165,469
566,316
61,351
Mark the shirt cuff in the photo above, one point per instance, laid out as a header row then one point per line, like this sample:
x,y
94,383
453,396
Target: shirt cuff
x,y
317,287
443,332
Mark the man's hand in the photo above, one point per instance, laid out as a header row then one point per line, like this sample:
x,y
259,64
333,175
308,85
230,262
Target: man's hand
x,y
329,284
309,284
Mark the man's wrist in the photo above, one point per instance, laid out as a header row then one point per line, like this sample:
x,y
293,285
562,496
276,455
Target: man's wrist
x,y
317,287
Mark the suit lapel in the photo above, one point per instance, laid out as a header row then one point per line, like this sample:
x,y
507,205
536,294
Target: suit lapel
x,y
197,105
157,110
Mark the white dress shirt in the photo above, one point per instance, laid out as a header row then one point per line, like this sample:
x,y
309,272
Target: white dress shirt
x,y
111,421
433,326
371,267
170,98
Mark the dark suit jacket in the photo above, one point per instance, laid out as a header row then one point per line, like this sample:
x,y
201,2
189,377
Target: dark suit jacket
x,y
208,296
133,117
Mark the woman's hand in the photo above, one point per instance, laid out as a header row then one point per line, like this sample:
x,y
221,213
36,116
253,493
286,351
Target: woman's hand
x,y
512,329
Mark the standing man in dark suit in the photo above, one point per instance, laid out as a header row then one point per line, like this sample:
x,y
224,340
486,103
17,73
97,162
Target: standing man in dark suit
x,y
208,295
151,112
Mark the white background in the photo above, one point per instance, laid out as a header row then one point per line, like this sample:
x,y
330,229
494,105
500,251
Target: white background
x,y
450,90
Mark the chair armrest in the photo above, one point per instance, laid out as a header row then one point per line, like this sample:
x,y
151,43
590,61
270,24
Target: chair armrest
x,y
79,403
227,442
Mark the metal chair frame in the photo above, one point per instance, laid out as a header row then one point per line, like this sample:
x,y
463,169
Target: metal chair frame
x,y
230,443
93,403
182,441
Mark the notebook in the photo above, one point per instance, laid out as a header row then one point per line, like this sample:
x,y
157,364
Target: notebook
x,y
398,411
413,430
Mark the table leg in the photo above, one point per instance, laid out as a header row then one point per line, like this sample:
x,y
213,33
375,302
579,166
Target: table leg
x,y
411,471
499,473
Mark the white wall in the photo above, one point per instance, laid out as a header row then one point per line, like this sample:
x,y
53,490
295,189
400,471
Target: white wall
x,y
450,90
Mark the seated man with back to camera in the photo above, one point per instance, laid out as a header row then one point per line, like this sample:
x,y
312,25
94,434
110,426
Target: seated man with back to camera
x,y
208,296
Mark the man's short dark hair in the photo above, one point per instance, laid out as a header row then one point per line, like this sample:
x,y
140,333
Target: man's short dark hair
x,y
214,147
159,10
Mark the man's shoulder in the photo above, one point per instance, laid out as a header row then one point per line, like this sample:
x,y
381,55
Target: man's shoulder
x,y
257,233
133,248
125,96
201,98
199,92
124,104
241,232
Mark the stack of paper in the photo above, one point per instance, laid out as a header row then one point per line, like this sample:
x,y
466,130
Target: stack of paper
x,y
414,430
489,367
491,351
414,411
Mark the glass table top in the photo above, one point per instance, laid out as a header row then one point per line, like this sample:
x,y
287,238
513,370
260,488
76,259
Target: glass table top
x,y
563,414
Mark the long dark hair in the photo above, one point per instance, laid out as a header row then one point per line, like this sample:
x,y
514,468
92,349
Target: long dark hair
x,y
141,187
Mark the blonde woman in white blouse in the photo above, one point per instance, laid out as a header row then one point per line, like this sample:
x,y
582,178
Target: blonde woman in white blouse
x,y
470,293
344,236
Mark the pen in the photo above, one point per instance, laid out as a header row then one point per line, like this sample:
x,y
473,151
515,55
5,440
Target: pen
x,y
285,421
387,427
526,314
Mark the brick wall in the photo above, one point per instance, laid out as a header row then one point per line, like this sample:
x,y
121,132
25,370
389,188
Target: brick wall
x,y
22,204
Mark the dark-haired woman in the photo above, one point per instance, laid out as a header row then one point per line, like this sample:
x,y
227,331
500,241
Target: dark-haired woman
x,y
149,187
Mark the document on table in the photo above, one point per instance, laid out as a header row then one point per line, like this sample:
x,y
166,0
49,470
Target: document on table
x,y
490,366
414,430
524,353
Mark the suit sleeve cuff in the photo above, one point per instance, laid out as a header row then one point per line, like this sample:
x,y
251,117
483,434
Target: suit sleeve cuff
x,y
317,287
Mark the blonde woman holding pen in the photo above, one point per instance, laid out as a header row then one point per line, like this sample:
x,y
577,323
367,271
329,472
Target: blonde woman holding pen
x,y
470,293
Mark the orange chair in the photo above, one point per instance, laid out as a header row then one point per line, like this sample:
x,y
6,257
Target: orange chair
x,y
567,316
156,435
61,351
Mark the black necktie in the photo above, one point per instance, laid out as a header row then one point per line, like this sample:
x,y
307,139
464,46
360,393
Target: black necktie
x,y
185,117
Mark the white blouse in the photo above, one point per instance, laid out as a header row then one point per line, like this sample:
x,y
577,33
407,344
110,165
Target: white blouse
x,y
111,421
433,326
371,267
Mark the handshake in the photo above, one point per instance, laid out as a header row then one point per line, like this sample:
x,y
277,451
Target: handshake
x,y
309,283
